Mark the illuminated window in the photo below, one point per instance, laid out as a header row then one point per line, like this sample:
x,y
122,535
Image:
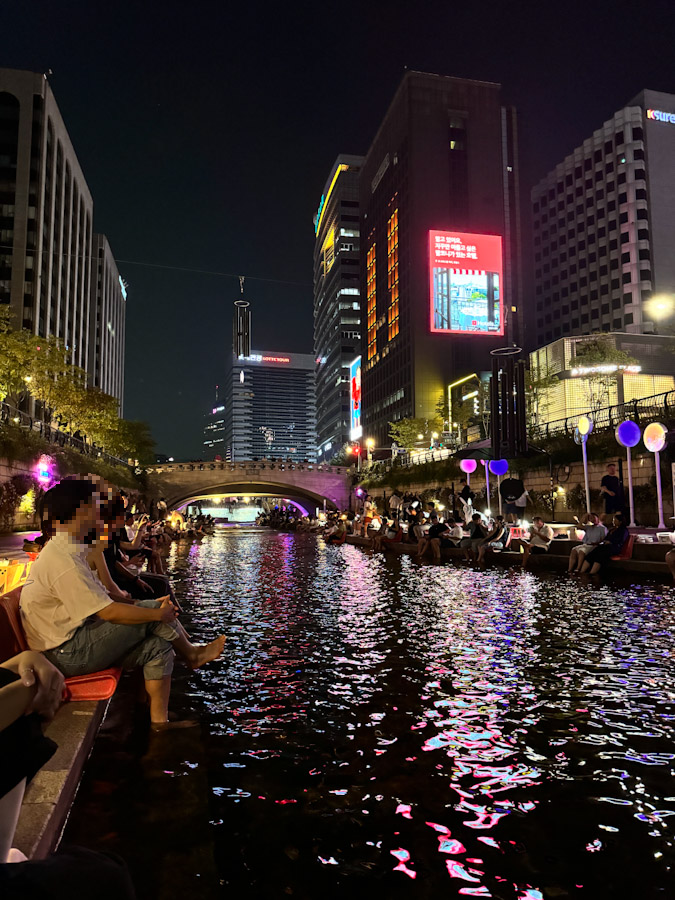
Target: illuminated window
x,y
371,302
392,275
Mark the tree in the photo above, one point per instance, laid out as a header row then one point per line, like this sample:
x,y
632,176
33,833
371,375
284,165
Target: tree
x,y
17,349
540,385
599,351
51,369
406,431
131,440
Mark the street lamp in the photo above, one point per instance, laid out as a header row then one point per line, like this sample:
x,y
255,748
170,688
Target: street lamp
x,y
370,443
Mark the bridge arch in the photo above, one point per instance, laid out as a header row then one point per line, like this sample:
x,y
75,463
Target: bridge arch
x,y
251,489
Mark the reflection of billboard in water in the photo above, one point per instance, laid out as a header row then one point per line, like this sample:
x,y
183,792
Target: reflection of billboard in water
x,y
466,283
356,429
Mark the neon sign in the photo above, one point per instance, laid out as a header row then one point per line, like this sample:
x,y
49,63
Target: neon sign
x,y
256,357
356,429
608,369
660,116
465,283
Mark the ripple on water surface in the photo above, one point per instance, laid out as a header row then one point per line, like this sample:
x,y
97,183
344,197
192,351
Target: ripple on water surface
x,y
385,728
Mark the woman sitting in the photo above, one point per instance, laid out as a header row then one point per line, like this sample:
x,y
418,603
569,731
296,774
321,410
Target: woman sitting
x,y
611,546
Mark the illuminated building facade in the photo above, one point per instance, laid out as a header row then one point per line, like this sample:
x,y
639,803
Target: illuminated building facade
x,y
585,387
604,227
214,432
57,277
270,406
440,177
337,301
107,323
46,216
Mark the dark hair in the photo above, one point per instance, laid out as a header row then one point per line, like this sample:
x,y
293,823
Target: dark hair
x,y
61,503
112,508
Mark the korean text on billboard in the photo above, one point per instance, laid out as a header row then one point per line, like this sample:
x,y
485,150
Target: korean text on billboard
x,y
466,283
356,430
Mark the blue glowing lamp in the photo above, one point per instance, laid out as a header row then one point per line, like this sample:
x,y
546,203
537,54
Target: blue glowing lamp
x,y
628,433
499,466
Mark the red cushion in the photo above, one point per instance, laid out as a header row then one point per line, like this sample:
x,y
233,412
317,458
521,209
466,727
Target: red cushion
x,y
96,686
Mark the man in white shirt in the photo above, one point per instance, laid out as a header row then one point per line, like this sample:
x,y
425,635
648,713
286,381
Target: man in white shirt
x,y
541,536
68,616
594,534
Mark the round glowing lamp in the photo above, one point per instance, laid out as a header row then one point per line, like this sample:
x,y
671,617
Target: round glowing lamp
x,y
628,433
468,466
655,437
499,466
585,425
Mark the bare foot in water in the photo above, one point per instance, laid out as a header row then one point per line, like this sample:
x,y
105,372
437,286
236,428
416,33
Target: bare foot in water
x,y
204,653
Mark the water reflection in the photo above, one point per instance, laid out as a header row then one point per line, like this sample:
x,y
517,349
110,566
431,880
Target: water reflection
x,y
418,731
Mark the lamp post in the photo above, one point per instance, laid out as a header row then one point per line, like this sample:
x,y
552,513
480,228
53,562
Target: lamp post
x,y
468,466
487,484
581,432
654,439
628,435
370,443
499,467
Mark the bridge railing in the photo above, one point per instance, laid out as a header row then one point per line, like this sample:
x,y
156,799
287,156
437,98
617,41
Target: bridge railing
x,y
247,466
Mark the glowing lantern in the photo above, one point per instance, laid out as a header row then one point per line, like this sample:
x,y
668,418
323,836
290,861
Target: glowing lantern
x,y
655,440
499,467
468,466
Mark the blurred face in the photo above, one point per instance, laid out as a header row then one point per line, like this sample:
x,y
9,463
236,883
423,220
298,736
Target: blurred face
x,y
538,521
611,469
87,523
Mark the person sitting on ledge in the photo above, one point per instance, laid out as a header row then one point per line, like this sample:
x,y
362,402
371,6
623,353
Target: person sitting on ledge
x,y
391,533
477,534
495,540
611,546
432,539
68,616
594,534
541,536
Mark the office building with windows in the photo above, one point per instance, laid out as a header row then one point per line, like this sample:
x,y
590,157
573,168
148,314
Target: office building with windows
x,y
604,228
214,432
270,406
440,245
46,216
107,322
337,302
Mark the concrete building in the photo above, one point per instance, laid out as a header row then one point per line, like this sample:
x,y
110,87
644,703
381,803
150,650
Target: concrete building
x,y
440,241
604,228
46,216
270,406
107,322
584,388
337,302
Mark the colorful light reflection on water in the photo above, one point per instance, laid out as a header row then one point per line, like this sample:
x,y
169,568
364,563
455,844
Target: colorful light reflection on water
x,y
395,730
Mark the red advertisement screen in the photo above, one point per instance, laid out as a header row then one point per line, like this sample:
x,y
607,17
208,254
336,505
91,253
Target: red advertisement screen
x,y
466,283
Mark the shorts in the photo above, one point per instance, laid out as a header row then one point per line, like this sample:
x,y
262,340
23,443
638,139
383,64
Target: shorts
x,y
496,545
585,549
535,549
512,509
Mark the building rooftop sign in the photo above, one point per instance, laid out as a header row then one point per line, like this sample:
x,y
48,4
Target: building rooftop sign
x,y
608,369
660,116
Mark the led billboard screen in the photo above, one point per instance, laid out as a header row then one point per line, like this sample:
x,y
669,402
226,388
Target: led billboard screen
x,y
466,283
355,430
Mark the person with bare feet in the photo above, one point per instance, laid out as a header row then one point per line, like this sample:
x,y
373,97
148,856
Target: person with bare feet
x,y
68,615
594,533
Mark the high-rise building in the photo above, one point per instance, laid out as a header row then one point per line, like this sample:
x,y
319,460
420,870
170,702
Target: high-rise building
x,y
107,323
337,303
604,227
46,216
270,406
58,278
214,431
440,245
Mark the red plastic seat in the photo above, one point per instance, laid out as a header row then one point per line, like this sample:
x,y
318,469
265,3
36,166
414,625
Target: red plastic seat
x,y
627,549
96,686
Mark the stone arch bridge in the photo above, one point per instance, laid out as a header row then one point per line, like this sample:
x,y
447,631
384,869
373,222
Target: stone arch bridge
x,y
312,483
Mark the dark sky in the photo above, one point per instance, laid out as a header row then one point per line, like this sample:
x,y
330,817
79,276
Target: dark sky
x,y
206,131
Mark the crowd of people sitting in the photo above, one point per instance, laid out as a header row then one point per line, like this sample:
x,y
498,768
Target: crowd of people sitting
x,y
408,519
98,596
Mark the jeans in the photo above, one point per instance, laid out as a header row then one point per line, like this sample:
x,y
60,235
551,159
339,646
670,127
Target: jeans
x,y
98,644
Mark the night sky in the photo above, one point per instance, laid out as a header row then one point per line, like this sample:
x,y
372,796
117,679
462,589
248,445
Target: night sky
x,y
206,131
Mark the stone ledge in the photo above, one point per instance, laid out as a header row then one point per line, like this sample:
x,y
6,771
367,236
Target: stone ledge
x,y
51,793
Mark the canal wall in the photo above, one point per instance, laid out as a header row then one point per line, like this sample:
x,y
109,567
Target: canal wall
x,y
569,481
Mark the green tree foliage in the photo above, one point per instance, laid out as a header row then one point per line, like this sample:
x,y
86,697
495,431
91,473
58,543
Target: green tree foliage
x,y
17,349
599,350
405,432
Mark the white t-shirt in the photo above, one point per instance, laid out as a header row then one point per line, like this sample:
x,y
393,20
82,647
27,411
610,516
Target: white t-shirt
x,y
62,593
543,538
594,534
395,502
456,533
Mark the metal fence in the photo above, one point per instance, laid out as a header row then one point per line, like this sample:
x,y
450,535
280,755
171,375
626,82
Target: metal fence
x,y
644,410
9,415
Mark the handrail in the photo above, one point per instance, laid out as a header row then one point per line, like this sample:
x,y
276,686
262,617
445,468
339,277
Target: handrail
x,y
9,414
281,465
